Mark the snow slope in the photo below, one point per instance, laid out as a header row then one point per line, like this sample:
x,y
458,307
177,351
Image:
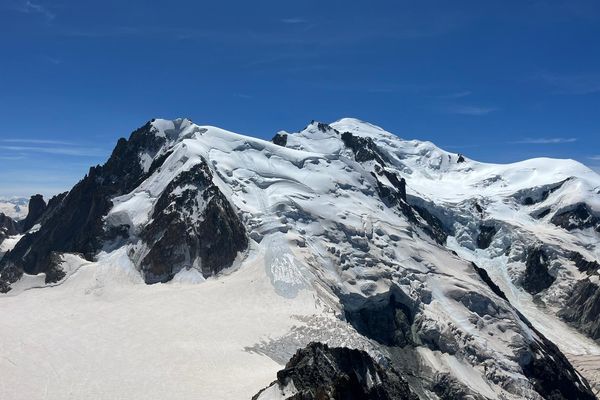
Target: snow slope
x,y
324,245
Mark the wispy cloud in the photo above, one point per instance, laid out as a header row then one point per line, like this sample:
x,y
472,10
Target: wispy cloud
x,y
557,140
36,141
456,95
581,84
595,158
12,158
468,110
461,146
242,96
65,150
294,21
52,60
29,7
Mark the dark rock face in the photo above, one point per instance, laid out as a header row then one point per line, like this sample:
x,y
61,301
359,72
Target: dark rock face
x,y
486,235
280,139
542,213
37,206
390,196
448,388
534,195
582,309
550,373
52,207
580,217
54,272
536,276
364,149
386,318
178,237
399,184
491,284
75,224
434,227
322,127
322,373
8,227
461,159
419,216
583,265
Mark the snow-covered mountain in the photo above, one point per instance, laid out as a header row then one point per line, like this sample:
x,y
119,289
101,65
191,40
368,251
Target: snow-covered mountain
x,y
459,279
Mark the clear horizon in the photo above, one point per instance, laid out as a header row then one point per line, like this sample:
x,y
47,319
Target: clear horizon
x,y
498,83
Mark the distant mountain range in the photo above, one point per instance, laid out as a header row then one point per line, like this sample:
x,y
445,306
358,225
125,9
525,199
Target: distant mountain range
x,y
15,207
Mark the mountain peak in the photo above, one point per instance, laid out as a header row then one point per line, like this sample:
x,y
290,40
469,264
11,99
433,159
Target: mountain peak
x,y
170,129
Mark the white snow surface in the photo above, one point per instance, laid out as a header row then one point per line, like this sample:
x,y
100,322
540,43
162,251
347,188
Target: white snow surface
x,y
316,223
8,244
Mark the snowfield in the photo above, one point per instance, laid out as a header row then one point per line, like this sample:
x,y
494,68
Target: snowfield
x,y
322,242
104,334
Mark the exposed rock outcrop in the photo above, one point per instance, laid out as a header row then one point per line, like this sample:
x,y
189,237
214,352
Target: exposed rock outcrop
x,y
386,318
537,194
536,277
8,227
582,309
75,224
491,284
364,148
280,139
486,235
37,206
589,267
578,217
322,373
193,225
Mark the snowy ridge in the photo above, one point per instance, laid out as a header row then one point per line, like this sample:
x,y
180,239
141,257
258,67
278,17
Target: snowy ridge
x,y
331,239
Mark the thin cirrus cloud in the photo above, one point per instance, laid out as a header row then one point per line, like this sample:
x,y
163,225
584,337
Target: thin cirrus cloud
x,y
36,141
22,147
595,158
65,151
557,140
581,84
294,21
29,7
455,95
468,110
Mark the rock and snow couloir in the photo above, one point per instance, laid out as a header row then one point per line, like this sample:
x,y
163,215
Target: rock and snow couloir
x,y
468,279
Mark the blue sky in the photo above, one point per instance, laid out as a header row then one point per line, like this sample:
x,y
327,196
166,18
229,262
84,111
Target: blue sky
x,y
498,81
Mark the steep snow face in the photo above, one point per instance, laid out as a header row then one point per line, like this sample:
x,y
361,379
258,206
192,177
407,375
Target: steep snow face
x,y
546,204
8,244
338,249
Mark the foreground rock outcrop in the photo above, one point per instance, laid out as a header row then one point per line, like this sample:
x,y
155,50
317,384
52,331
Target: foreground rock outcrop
x,y
8,227
37,206
320,372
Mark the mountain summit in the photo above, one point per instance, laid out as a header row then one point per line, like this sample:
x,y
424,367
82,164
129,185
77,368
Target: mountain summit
x,y
434,275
